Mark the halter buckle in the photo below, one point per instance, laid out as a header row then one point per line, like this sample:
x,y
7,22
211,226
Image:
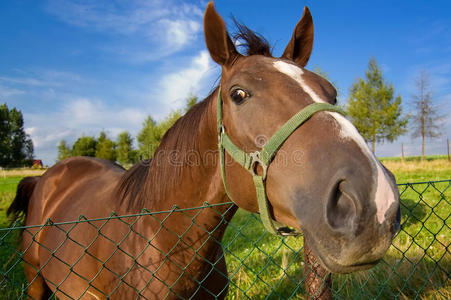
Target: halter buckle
x,y
221,131
255,161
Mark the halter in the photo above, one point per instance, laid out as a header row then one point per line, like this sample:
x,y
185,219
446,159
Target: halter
x,y
264,157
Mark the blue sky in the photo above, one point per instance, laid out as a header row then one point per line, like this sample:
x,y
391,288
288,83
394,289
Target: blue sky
x,y
77,67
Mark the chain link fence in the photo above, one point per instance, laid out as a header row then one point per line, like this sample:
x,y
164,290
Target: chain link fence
x,y
259,265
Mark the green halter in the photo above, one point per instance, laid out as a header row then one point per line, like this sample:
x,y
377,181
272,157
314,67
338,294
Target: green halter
x,y
264,158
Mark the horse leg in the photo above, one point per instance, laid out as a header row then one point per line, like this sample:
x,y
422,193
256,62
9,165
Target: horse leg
x,y
38,289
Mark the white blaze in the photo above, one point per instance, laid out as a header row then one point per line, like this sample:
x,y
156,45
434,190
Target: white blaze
x,y
384,193
296,73
384,196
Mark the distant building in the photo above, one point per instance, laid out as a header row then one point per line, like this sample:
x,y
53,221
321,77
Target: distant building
x,y
37,164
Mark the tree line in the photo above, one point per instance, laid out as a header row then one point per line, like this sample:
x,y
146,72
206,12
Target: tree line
x,y
122,148
372,106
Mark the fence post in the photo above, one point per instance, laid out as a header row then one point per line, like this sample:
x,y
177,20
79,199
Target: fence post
x,y
447,141
318,281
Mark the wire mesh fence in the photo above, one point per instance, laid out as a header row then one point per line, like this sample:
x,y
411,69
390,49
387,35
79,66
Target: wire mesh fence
x,y
259,265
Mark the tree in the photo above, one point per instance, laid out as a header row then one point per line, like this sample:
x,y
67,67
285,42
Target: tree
x,y
16,147
190,102
84,146
148,138
105,148
63,150
124,150
168,122
426,121
374,110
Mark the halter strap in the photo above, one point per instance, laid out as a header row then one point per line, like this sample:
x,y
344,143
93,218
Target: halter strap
x,y
264,157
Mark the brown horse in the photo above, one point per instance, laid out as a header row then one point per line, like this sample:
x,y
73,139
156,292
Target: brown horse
x,y
323,181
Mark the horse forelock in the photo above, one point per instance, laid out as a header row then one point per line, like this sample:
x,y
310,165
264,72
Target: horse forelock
x,y
252,42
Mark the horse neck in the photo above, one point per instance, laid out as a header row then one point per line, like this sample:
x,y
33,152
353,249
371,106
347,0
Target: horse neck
x,y
186,175
184,171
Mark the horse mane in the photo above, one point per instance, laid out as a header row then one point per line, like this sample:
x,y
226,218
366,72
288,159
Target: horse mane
x,y
148,181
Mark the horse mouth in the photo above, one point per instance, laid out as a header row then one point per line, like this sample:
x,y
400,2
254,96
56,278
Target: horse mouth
x,y
360,266
335,267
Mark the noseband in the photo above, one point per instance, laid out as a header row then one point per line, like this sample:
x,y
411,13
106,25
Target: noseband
x,y
264,157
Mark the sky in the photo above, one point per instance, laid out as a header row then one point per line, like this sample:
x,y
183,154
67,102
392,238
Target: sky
x,y
77,67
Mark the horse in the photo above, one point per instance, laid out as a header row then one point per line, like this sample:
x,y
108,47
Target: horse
x,y
321,179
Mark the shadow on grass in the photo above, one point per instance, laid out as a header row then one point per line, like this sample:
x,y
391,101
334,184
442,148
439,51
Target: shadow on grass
x,y
396,277
412,212
412,272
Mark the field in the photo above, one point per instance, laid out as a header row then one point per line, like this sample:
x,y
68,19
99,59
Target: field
x,y
415,170
260,264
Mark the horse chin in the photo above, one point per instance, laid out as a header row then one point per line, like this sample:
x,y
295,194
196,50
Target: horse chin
x,y
333,265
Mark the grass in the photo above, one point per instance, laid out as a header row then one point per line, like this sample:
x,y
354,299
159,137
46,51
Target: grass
x,y
415,158
419,171
264,266
416,265
8,241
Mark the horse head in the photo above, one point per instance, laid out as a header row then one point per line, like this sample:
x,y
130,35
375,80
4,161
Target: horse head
x,y
322,179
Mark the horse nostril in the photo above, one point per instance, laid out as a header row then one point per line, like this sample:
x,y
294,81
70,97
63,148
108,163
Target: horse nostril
x,y
341,210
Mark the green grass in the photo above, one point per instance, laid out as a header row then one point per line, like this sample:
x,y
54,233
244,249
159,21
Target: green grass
x,y
264,266
415,266
8,244
414,158
417,171
8,187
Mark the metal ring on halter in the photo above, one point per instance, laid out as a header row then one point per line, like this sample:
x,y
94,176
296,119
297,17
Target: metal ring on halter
x,y
221,131
256,160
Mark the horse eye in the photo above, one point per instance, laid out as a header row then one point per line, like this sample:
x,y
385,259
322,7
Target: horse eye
x,y
239,95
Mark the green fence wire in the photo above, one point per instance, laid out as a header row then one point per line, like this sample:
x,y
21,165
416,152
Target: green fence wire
x,y
259,265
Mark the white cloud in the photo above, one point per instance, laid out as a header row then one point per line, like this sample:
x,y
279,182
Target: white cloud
x,y
6,92
178,33
40,78
160,27
123,17
85,113
23,81
174,87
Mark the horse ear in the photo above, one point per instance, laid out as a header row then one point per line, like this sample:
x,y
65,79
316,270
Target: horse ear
x,y
300,46
219,44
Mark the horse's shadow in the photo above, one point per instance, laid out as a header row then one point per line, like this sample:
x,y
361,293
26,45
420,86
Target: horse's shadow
x,y
412,212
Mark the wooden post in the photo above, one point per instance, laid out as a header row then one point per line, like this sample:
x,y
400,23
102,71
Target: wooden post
x,y
318,281
447,140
